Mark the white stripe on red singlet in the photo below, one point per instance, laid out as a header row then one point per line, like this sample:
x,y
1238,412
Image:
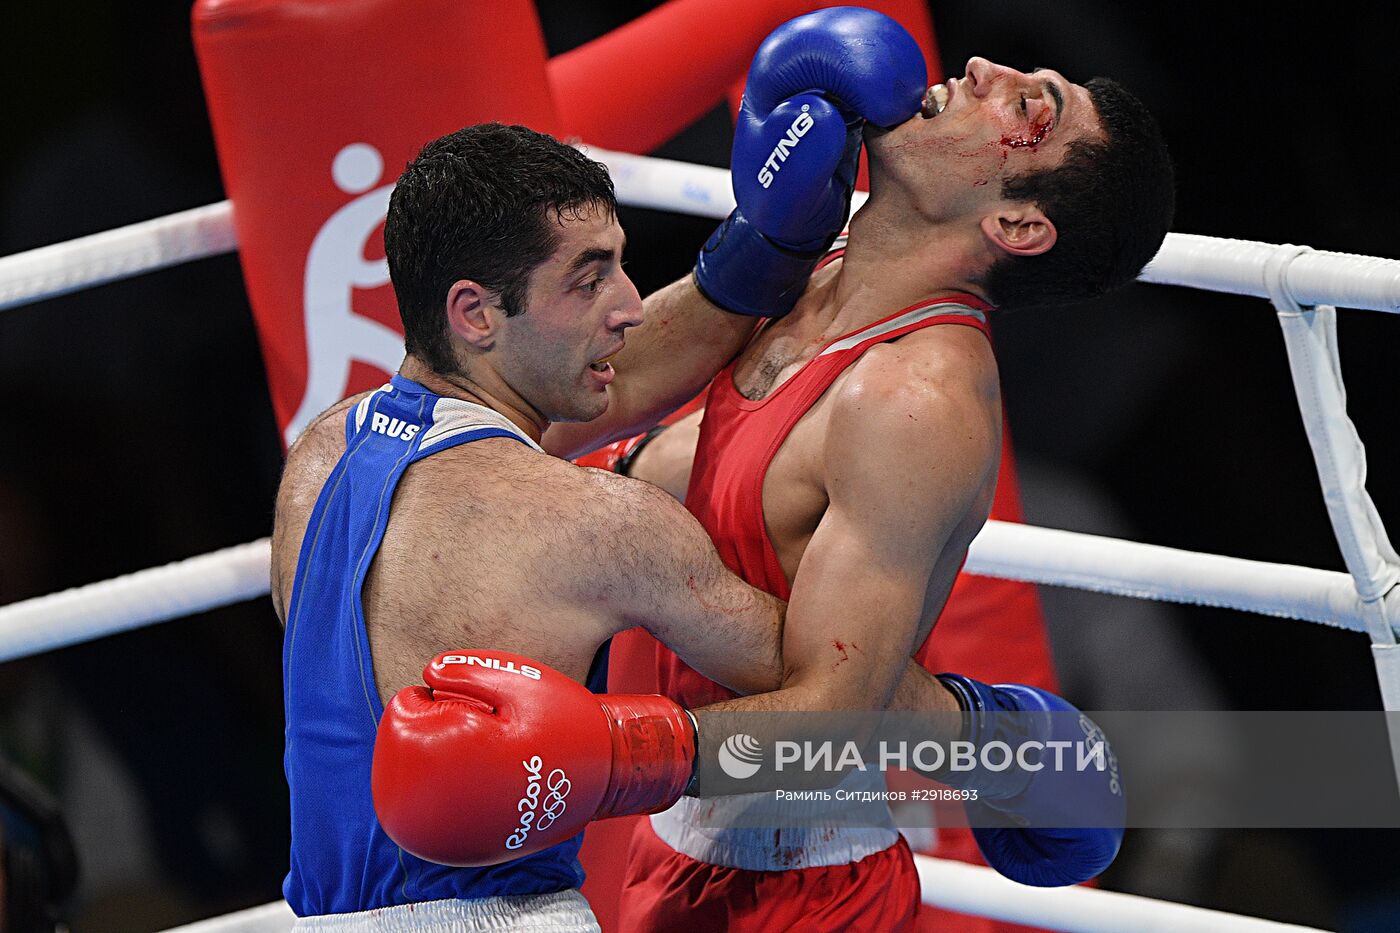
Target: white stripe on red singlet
x,y
912,316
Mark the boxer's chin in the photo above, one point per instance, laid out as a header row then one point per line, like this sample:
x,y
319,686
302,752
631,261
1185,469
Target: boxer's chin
x,y
600,408
585,408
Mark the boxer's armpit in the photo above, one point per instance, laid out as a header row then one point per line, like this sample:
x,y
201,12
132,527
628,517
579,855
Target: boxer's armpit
x,y
663,574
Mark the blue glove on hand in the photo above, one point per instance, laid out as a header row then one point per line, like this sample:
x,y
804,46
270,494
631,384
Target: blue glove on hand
x,y
814,82
1044,855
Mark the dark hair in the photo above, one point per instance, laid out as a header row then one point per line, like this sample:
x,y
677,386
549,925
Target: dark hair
x,y
483,203
1111,201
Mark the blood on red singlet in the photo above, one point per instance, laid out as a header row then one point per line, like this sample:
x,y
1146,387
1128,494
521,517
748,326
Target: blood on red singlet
x,y
738,440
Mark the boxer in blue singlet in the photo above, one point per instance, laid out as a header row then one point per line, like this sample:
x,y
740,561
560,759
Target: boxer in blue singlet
x,y
341,859
425,515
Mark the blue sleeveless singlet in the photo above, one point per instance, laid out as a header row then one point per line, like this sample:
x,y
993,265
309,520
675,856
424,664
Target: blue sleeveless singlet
x,y
341,860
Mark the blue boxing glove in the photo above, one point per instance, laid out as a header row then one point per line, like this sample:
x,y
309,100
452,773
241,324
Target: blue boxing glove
x,y
1031,846
812,86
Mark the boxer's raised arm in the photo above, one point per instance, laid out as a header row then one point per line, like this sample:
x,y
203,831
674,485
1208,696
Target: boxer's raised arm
x,y
817,78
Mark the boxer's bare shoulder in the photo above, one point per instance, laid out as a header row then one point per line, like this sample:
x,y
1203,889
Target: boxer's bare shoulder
x,y
927,370
928,403
309,462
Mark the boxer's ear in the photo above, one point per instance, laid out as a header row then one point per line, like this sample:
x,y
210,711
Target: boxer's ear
x,y
1020,230
473,313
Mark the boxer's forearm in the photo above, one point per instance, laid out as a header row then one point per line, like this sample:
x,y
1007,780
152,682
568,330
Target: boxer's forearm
x,y
668,360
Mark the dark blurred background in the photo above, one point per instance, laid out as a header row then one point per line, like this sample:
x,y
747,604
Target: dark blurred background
x,y
139,429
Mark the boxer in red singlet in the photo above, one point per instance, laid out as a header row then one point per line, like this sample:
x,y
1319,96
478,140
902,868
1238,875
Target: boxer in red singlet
x,y
849,455
992,628
752,490
862,496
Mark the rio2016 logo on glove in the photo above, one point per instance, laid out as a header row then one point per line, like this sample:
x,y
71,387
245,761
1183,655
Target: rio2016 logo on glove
x,y
530,806
494,664
800,125
740,756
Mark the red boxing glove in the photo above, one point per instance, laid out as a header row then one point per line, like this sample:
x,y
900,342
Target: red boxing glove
x,y
500,757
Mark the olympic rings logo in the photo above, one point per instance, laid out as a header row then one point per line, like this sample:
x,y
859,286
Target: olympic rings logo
x,y
549,810
559,786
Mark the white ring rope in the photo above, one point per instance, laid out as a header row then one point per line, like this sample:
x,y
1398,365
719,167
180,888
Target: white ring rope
x,y
956,886
1211,263
50,271
1150,571
1316,277
1002,549
136,599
